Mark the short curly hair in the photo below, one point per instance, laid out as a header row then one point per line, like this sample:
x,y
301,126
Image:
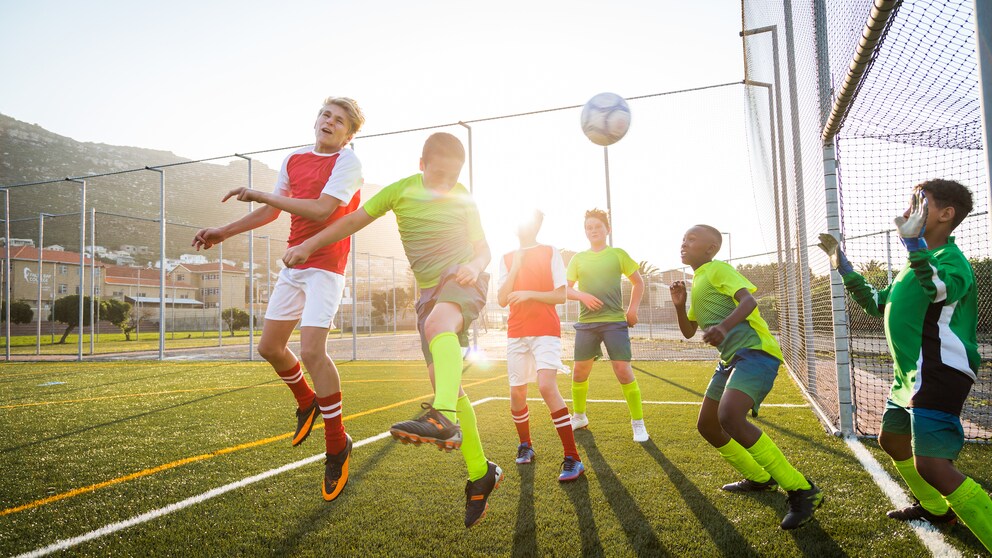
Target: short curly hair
x,y
948,193
600,215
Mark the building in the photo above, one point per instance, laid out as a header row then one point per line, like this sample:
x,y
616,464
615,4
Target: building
x,y
57,272
217,284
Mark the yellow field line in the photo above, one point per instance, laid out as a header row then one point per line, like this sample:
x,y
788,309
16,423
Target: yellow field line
x,y
194,459
192,390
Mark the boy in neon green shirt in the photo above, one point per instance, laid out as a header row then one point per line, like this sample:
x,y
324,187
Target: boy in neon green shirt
x,y
597,273
442,236
723,307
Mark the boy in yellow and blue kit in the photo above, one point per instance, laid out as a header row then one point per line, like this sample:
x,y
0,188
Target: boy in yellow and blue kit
x,y
723,307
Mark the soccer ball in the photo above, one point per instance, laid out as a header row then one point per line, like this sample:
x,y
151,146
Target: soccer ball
x,y
605,118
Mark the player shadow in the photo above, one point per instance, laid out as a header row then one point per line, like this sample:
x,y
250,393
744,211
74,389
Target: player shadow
x,y
812,540
323,514
578,493
635,524
125,419
525,530
700,395
762,422
721,531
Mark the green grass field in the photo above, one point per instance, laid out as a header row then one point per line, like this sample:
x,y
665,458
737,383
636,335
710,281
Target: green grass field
x,y
112,441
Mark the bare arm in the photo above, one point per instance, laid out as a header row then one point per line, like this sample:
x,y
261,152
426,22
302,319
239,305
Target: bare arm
x,y
206,238
556,296
511,275
678,293
314,209
635,297
468,273
590,301
745,305
336,231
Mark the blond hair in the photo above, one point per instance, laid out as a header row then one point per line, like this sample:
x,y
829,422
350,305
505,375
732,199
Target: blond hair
x,y
356,119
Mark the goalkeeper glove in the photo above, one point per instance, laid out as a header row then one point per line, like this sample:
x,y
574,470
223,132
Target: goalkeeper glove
x,y
912,227
838,260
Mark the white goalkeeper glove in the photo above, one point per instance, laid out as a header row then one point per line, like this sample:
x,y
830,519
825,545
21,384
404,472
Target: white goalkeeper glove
x,y
838,260
912,227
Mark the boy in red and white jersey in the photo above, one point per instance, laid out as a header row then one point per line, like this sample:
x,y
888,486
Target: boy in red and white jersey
x,y
317,186
532,281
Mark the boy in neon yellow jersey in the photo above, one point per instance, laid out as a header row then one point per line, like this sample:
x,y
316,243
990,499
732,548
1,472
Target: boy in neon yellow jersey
x,y
749,361
930,313
602,320
443,239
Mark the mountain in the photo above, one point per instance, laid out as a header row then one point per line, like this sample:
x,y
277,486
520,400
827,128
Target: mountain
x,y
127,204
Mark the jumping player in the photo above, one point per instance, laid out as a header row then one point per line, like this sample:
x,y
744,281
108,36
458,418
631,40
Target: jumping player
x,y
318,185
443,239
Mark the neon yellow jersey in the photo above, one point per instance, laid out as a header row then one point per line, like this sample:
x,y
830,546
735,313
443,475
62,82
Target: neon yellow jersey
x,y
438,230
713,288
600,274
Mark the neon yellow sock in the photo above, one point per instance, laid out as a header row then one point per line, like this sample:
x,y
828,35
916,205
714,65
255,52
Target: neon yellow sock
x,y
475,458
974,508
740,459
632,393
767,454
931,500
579,392
447,355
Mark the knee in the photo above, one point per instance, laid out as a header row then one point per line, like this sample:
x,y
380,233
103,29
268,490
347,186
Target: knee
x,y
312,355
269,351
548,389
730,423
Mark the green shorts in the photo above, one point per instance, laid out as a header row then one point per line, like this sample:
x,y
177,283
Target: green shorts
x,y
470,298
935,433
751,371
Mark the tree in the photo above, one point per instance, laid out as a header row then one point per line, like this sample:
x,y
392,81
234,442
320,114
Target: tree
x,y
235,318
652,279
382,303
66,311
20,313
118,313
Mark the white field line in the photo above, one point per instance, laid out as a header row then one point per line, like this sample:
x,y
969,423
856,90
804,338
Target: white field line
x,y
161,512
931,538
171,508
696,403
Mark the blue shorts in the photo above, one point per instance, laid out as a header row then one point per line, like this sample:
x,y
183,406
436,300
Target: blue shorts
x,y
589,338
751,371
935,433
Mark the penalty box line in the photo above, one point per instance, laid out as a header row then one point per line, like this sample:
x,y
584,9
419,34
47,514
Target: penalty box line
x,y
183,504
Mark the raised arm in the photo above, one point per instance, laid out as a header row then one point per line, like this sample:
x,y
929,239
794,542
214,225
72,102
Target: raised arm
x,y
206,238
314,209
678,293
336,231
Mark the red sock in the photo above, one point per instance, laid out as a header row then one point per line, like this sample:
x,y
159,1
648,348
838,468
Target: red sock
x,y
521,419
564,427
330,409
298,384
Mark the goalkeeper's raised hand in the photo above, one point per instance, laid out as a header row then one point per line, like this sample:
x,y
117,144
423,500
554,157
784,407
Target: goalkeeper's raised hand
x,y
913,223
838,260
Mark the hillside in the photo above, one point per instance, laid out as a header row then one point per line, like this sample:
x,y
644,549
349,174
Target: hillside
x,y
29,153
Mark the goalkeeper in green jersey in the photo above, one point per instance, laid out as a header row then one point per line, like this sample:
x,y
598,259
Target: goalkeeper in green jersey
x,y
930,314
722,306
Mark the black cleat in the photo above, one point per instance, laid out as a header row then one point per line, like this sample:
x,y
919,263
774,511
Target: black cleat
x,y
304,422
917,511
477,494
801,506
432,427
336,472
748,485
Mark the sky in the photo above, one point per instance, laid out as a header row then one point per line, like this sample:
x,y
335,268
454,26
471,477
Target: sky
x,y
204,79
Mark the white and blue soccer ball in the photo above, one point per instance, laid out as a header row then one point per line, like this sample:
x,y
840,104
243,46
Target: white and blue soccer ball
x,y
605,118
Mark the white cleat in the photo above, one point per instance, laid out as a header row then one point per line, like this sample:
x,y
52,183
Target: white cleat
x,y
579,421
640,432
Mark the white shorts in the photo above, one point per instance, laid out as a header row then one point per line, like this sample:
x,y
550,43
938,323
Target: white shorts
x,y
526,355
310,295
